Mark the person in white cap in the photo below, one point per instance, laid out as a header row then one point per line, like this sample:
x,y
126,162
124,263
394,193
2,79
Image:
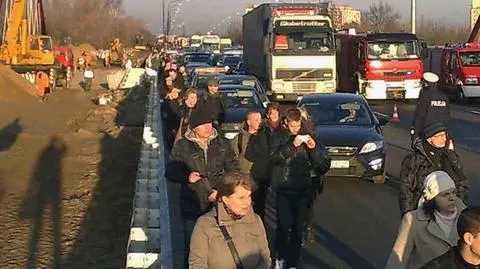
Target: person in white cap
x,y
432,106
430,230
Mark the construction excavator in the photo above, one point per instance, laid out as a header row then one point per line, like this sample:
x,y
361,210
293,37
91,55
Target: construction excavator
x,y
26,47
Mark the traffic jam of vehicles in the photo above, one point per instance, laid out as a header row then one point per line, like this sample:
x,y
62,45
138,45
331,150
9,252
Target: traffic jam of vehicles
x,y
300,54
311,89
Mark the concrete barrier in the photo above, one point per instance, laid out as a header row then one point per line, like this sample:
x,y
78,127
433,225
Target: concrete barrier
x,y
149,244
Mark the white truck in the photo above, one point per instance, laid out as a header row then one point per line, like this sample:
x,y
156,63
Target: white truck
x,y
291,48
195,41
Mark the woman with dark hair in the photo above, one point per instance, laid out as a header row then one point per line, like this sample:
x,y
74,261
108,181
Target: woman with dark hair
x,y
188,106
231,235
430,230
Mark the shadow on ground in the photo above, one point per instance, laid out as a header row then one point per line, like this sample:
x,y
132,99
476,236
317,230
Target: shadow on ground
x,y
45,190
9,134
106,225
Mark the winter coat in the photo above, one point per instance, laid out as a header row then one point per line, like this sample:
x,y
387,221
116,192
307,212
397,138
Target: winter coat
x,y
420,239
208,248
291,171
415,168
452,259
211,162
252,153
214,104
432,106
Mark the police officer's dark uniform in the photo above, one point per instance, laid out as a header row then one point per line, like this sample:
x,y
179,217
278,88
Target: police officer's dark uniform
x,y
432,106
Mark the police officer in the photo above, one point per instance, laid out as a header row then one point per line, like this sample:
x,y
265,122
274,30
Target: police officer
x,y
432,106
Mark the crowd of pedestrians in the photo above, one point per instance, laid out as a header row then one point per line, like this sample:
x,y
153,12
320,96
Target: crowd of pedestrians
x,y
225,184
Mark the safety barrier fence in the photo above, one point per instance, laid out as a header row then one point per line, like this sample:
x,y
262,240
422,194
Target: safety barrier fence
x,y
150,241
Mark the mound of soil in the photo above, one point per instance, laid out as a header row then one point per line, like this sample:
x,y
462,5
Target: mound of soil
x,y
13,86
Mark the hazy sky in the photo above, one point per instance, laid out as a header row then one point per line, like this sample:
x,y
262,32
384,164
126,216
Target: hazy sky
x,y
199,15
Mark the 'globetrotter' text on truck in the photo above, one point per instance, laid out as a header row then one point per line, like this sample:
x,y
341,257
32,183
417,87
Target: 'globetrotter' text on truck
x,y
290,47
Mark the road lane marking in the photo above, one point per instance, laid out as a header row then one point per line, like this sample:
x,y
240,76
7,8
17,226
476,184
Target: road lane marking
x,y
381,114
475,112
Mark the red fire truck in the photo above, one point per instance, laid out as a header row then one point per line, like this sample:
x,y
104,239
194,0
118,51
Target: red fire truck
x,y
379,66
460,70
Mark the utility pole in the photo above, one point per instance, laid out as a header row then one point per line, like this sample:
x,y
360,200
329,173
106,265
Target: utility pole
x,y
413,15
163,24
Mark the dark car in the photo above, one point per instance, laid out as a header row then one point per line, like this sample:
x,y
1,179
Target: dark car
x,y
238,100
199,57
190,67
346,125
244,80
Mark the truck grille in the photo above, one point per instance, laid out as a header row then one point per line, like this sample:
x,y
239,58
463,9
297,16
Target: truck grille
x,y
399,73
304,87
304,74
342,151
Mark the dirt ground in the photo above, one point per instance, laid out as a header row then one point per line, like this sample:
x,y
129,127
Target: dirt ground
x,y
67,174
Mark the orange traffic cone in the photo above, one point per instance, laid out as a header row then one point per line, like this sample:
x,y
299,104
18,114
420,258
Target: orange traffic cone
x,y
395,117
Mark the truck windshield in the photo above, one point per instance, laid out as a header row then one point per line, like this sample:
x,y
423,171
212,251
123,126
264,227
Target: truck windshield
x,y
196,41
470,58
321,42
393,50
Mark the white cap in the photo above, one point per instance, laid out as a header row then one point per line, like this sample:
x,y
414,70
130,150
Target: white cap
x,y
430,77
434,184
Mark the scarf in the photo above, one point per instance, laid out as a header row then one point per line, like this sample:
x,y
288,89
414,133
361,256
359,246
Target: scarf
x,y
446,222
232,214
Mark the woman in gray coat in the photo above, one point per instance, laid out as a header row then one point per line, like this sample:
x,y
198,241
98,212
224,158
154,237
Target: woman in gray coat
x,y
430,230
233,213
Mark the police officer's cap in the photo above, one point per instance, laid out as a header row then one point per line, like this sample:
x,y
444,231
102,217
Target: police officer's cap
x,y
430,77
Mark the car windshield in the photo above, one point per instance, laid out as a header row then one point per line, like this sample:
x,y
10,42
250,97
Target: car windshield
x,y
231,61
240,98
393,50
470,58
335,113
197,58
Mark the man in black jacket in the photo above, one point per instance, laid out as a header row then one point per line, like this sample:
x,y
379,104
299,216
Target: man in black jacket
x,y
198,161
432,106
467,254
213,102
251,148
293,155
436,153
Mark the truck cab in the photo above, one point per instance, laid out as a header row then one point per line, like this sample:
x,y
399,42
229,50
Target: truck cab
x,y
460,70
380,66
291,48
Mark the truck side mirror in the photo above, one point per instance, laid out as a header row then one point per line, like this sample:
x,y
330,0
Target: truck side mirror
x,y
424,50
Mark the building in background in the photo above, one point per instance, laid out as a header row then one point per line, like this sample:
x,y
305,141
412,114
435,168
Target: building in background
x,y
343,15
474,12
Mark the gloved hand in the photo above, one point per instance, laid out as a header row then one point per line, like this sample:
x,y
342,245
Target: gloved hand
x,y
416,142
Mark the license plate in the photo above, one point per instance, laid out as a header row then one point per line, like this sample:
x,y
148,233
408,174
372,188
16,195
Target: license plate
x,y
339,164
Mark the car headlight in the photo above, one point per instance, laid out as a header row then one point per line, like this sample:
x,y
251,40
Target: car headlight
x,y
371,146
278,86
471,80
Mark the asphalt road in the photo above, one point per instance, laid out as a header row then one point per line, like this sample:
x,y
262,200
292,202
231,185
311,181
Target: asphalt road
x,y
356,221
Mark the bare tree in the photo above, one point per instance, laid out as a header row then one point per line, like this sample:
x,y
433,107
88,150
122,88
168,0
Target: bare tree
x,y
439,33
235,32
381,16
91,21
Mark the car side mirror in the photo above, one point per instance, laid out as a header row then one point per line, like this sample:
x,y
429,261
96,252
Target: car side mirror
x,y
383,121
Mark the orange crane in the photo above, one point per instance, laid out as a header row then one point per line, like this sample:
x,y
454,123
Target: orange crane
x,y
25,45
